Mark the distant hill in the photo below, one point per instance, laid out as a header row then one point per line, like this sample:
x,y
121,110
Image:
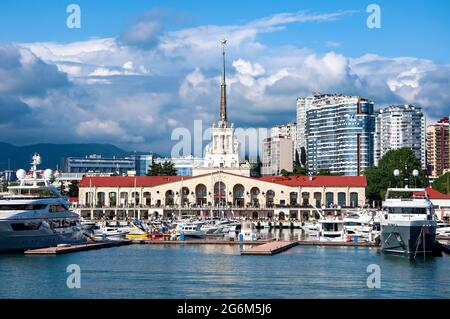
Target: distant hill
x,y
52,154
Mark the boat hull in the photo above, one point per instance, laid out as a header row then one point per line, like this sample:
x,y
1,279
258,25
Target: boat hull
x,y
40,238
408,240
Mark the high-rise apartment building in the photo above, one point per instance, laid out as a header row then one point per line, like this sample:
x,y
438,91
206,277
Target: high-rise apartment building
x,y
339,132
277,155
438,152
290,131
400,126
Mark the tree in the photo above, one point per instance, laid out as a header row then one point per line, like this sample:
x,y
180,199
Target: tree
x,y
165,169
285,173
303,157
255,170
73,189
442,183
300,171
380,178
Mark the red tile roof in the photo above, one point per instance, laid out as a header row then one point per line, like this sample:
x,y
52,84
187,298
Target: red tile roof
x,y
318,181
434,194
293,181
128,181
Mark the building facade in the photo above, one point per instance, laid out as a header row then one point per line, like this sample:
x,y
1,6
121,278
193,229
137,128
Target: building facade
x,y
400,126
98,164
183,165
438,149
340,134
289,131
277,155
221,192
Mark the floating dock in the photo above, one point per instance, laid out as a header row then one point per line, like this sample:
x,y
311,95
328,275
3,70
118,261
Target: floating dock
x,y
59,250
271,248
200,242
335,243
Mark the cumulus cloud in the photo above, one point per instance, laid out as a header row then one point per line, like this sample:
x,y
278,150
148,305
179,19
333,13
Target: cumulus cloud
x,y
132,90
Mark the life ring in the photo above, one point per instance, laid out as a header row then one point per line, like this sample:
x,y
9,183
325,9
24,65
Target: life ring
x,y
349,238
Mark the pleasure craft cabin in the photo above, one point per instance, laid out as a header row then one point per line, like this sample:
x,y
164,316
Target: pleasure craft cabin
x,y
408,222
34,214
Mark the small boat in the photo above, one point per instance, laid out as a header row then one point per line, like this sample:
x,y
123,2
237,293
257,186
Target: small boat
x,y
192,230
331,229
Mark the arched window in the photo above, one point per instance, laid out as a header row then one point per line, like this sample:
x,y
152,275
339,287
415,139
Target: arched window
x,y
354,199
341,199
329,199
270,198
200,194
238,195
112,199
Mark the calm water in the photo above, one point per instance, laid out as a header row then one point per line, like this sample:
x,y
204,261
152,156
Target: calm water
x,y
148,271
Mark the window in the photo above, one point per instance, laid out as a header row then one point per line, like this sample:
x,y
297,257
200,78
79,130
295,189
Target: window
x,y
57,208
23,207
26,226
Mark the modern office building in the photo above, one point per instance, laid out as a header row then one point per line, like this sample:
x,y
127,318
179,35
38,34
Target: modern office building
x,y
339,131
183,165
438,149
142,163
136,164
400,126
289,131
277,155
98,164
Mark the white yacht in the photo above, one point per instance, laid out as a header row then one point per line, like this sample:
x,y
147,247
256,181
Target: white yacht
x,y
408,224
33,214
193,230
331,229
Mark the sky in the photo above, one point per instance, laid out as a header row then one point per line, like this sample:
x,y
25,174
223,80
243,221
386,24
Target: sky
x,y
136,70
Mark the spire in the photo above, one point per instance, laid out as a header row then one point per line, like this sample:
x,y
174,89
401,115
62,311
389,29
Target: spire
x,y
223,88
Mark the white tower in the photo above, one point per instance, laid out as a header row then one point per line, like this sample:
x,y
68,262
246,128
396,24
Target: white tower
x,y
223,151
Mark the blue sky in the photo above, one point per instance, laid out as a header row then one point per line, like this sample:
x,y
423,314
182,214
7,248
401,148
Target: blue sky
x,y
417,28
137,70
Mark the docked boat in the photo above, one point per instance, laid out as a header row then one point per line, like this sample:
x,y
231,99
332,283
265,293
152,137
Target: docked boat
x,y
408,224
443,230
33,214
331,229
192,230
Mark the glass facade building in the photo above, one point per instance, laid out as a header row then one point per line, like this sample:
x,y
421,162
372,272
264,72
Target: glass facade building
x,y
340,134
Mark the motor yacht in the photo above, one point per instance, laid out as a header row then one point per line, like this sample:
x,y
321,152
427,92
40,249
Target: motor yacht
x,y
33,214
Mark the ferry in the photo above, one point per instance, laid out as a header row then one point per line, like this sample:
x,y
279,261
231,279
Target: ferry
x,y
33,214
408,222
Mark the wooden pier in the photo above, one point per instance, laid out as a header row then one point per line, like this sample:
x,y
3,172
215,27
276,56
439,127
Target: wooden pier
x,y
335,243
200,242
271,248
59,250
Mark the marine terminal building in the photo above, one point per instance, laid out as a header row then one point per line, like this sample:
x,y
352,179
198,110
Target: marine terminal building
x,y
220,194
219,186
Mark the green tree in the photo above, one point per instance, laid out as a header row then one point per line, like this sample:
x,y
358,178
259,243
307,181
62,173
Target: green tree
x,y
300,171
73,189
442,183
285,173
165,169
303,157
380,178
255,170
